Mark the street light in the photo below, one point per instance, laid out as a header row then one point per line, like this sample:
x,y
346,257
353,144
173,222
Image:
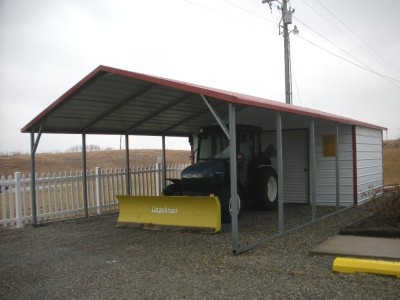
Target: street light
x,y
295,30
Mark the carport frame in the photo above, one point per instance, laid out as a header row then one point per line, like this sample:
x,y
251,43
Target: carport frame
x,y
233,99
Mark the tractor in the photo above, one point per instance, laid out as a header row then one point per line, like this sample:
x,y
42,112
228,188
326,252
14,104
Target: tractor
x,y
257,183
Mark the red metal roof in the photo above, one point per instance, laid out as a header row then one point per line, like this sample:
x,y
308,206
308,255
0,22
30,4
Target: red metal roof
x,y
115,101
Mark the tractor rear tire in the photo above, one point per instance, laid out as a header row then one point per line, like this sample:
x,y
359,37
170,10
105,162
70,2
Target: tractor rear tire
x,y
266,189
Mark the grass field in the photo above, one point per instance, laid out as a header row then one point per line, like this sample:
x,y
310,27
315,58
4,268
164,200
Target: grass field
x,y
56,162
48,162
391,165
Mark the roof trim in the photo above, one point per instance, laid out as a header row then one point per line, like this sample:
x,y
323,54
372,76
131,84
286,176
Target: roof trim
x,y
226,96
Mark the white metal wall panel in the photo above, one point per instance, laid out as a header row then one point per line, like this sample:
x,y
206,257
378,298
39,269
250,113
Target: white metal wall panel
x,y
295,163
369,162
325,173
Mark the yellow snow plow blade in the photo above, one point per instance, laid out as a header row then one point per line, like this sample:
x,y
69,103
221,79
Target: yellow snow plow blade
x,y
182,213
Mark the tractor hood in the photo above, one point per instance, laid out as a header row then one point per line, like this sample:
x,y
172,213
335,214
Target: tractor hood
x,y
205,168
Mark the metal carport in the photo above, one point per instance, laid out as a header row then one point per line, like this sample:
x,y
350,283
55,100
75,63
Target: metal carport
x,y
119,102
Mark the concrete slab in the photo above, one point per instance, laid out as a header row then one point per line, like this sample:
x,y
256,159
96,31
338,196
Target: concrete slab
x,y
358,246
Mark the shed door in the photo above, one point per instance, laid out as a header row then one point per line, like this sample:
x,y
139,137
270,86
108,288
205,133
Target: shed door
x,y
295,163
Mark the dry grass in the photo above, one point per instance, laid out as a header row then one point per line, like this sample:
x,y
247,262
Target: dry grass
x,y
391,165
56,162
387,212
116,159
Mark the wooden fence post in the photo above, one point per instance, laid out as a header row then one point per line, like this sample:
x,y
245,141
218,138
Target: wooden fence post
x,y
18,204
98,191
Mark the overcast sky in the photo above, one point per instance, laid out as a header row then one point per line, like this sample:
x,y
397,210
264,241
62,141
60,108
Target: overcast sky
x,y
46,46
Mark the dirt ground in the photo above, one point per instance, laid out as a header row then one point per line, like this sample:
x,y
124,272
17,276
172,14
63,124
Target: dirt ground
x,y
92,259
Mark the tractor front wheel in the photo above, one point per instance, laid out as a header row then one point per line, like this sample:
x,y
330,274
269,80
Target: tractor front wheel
x,y
173,189
224,196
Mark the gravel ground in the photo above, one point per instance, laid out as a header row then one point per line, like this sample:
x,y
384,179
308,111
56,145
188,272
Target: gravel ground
x,y
92,259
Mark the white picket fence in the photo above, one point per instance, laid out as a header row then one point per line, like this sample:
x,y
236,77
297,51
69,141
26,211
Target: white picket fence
x,y
59,196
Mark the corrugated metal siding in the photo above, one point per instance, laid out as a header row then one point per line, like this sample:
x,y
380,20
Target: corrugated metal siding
x,y
369,162
325,173
295,163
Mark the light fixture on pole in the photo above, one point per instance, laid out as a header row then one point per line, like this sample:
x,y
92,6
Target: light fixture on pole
x,y
283,24
295,30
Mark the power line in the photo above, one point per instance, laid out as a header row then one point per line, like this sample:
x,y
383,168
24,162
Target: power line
x,y
248,11
365,67
329,41
381,60
349,61
295,81
285,21
212,10
344,51
334,25
227,15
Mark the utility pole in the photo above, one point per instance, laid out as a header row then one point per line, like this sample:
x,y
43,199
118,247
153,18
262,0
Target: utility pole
x,y
286,20
288,86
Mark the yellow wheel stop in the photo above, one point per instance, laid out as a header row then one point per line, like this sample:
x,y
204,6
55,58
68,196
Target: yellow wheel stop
x,y
354,265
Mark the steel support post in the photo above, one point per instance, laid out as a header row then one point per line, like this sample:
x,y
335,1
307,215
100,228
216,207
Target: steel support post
x,y
164,166
34,145
280,171
84,177
127,167
337,167
33,180
233,175
231,135
312,170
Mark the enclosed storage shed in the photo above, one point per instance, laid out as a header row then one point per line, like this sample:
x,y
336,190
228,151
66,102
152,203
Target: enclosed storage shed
x,y
360,163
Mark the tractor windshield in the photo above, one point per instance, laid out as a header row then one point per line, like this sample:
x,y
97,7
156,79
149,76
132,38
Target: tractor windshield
x,y
213,145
